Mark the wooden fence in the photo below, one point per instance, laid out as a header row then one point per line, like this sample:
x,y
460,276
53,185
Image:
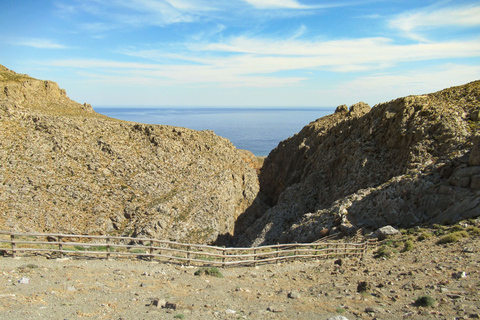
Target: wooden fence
x,y
62,245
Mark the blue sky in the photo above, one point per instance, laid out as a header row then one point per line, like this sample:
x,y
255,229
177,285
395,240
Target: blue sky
x,y
242,52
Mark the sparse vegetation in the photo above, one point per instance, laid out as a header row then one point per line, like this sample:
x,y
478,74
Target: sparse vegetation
x,y
179,316
408,246
453,237
473,230
340,310
424,236
425,301
212,271
385,252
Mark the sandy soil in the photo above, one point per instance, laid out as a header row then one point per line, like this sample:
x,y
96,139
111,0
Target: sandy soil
x,y
34,287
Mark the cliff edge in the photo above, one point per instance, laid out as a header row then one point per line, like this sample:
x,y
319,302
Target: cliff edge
x,y
411,161
65,168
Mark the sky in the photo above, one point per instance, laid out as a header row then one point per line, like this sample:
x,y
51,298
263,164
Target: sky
x,y
252,53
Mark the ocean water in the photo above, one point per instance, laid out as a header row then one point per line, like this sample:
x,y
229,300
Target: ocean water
x,y
258,130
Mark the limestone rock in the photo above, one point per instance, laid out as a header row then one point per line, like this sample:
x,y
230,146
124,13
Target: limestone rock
x,y
385,232
341,108
402,163
337,318
66,169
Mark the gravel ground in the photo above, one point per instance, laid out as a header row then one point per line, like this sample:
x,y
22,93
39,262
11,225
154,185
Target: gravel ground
x,y
34,287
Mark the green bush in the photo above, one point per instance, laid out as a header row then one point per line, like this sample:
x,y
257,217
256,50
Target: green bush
x,y
474,230
385,252
453,237
179,316
456,228
407,246
212,271
424,236
340,310
425,301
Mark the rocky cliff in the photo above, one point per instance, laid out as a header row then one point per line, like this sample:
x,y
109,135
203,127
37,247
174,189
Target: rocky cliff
x,y
65,168
407,162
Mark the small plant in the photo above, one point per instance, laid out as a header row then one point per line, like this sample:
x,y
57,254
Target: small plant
x,y
425,301
474,230
408,246
212,271
424,236
385,252
453,237
179,316
340,310
456,228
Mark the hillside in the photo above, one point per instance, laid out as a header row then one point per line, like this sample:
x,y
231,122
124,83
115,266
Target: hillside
x,y
411,161
65,168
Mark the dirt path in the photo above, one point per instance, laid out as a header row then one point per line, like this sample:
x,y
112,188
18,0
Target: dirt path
x,y
130,289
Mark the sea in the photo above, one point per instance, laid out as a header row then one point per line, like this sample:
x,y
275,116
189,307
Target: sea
x,y
258,130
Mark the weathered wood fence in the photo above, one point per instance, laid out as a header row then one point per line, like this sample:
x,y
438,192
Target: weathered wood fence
x,y
62,245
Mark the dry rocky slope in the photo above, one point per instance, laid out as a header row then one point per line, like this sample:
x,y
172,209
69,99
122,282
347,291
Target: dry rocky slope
x,y
411,161
65,168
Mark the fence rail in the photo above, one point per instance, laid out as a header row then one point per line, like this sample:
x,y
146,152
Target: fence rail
x,y
163,250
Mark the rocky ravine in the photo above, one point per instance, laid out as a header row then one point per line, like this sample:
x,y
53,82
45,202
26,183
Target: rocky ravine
x,y
65,168
406,162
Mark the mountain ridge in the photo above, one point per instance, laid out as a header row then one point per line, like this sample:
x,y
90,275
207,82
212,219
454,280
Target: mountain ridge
x,y
65,168
410,161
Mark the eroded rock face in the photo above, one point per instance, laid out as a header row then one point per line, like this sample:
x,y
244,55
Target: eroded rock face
x,y
65,168
409,161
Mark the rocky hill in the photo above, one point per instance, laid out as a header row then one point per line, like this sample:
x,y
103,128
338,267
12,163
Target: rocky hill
x,y
411,161
65,168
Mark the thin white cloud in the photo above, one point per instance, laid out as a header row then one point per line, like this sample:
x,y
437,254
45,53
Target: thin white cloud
x,y
276,4
413,22
40,44
340,55
138,13
382,87
244,62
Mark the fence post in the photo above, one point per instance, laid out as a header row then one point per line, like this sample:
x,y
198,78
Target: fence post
x,y
255,257
12,240
188,255
223,258
276,255
151,250
60,246
108,247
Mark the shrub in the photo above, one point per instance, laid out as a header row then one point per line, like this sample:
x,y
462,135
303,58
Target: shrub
x,y
179,316
456,228
340,310
424,236
474,230
453,237
425,301
212,271
407,246
385,252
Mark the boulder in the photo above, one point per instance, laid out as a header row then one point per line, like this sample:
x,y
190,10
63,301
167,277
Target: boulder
x,y
385,232
341,108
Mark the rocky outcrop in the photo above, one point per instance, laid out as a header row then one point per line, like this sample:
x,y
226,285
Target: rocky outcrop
x,y
65,168
410,161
